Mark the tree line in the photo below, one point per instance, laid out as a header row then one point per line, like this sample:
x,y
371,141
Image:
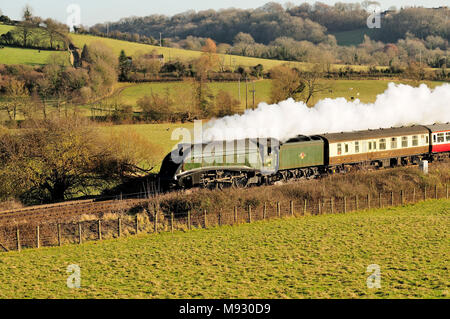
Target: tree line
x,y
35,32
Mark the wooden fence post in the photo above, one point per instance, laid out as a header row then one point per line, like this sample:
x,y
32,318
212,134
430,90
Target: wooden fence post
x,y
278,209
305,207
425,193
292,208
392,198
446,188
249,213
58,227
136,224
436,192
220,217
119,227
18,239
345,204
155,226
205,217
171,222
235,214
357,202
332,205
368,201
38,240
189,220
80,234
414,195
402,197
99,229
320,206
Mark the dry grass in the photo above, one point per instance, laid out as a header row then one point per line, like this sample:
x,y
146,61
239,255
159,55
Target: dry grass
x,y
359,183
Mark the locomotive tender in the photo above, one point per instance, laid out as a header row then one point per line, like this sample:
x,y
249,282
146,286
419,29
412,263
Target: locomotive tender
x,y
243,163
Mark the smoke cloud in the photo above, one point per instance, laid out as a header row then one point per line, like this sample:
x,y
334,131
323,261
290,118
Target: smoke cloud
x,y
399,105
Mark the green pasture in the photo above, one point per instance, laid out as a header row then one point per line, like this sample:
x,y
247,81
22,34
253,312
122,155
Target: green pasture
x,y
323,256
365,90
27,56
5,28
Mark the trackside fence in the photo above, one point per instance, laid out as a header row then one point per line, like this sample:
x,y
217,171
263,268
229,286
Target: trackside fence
x,y
153,220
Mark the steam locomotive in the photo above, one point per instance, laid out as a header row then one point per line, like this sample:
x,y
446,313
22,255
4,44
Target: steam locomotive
x,y
243,163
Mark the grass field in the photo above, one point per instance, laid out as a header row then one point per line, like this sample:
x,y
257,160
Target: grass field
x,y
27,56
5,28
353,37
187,55
312,257
365,90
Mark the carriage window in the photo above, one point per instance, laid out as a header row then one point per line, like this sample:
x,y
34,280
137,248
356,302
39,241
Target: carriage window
x,y
383,144
346,148
394,143
357,145
370,146
405,141
415,140
374,145
434,138
448,137
339,149
440,138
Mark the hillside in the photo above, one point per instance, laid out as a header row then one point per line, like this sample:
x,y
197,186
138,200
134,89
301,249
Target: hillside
x,y
311,257
170,54
353,37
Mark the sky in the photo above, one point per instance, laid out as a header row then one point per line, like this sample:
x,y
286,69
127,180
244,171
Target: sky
x,y
99,11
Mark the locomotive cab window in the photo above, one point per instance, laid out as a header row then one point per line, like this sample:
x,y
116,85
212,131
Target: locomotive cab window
x,y
382,144
415,140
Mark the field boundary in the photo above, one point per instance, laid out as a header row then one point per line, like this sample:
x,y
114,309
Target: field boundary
x,y
151,220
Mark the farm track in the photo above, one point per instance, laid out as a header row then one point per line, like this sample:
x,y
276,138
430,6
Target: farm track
x,y
64,211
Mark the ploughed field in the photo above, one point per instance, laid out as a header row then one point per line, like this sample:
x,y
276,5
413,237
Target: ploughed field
x,y
322,256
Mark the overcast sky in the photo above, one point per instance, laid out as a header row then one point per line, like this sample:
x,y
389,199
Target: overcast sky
x,y
95,11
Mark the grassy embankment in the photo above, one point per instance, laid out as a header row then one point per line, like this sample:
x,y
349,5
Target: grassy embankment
x,y
312,257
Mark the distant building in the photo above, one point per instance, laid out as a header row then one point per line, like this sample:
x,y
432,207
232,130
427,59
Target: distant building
x,y
159,57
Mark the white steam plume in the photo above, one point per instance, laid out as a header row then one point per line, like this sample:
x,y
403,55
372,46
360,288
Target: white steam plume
x,y
399,105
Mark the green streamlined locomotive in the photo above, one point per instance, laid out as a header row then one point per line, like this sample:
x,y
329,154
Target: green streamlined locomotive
x,y
264,161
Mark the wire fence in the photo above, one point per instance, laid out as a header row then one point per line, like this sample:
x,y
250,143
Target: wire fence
x,y
153,220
